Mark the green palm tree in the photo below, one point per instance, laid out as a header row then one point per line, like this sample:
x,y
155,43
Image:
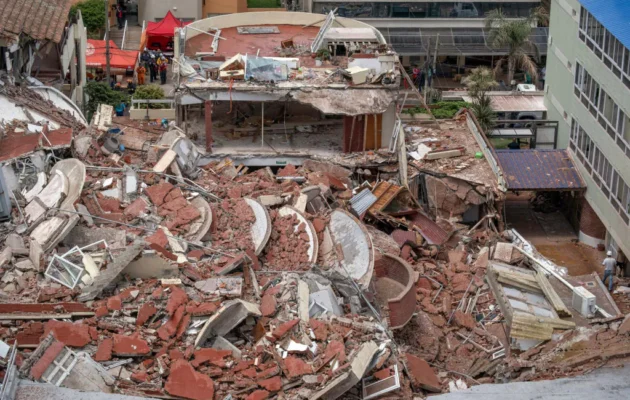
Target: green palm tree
x,y
515,35
479,82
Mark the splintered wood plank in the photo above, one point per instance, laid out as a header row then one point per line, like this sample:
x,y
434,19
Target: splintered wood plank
x,y
552,296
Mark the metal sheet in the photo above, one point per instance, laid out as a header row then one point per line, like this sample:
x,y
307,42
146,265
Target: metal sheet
x,y
539,170
362,201
535,103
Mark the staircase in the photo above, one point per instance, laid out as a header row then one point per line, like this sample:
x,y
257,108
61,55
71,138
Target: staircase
x,y
132,35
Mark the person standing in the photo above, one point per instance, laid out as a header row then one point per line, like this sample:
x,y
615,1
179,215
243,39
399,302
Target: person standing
x,y
609,264
153,70
142,72
543,76
120,16
163,69
514,145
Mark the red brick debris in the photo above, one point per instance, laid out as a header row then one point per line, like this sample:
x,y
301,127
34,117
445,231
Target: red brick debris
x,y
200,315
288,246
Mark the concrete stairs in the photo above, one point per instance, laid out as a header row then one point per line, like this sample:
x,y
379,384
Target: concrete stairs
x,y
132,38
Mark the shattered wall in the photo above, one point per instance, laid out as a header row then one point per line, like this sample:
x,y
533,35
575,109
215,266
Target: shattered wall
x,y
451,197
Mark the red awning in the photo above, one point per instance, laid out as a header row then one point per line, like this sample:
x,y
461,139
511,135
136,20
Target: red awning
x,y
165,27
122,59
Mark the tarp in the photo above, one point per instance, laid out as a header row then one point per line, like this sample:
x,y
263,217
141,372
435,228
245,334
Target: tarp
x,y
95,55
165,27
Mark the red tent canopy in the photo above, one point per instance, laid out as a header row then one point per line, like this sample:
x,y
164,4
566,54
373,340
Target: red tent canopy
x,y
165,27
95,55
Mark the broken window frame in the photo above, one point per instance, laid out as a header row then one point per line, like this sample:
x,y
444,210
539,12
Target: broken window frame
x,y
67,265
10,376
395,385
65,356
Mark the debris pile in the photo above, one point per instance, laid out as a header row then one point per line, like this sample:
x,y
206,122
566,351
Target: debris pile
x,y
162,275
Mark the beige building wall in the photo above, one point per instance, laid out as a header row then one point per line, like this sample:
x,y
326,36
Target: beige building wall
x,y
218,7
152,10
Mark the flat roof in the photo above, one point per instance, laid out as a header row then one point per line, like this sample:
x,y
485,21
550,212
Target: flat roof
x,y
452,134
261,44
511,103
537,169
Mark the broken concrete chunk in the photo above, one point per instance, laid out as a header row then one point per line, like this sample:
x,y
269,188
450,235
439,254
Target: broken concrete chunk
x,y
422,375
114,268
358,367
221,343
226,286
166,160
303,300
357,253
25,265
35,254
270,200
228,317
261,230
5,256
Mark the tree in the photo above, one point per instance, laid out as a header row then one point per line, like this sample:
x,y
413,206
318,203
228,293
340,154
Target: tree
x,y
101,93
149,92
479,82
515,36
93,13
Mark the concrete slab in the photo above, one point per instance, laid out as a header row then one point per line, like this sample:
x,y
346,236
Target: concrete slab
x,y
313,248
357,252
200,226
221,343
228,317
151,266
28,390
602,384
261,230
340,385
74,170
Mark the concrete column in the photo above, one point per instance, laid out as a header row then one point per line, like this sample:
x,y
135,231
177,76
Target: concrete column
x,y
406,61
592,229
208,106
461,61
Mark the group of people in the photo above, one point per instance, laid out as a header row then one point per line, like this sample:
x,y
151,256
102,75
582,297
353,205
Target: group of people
x,y
156,65
422,76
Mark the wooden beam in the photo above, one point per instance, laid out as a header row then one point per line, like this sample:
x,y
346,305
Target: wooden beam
x,y
552,296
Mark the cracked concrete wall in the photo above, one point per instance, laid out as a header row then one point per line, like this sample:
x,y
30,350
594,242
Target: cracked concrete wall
x,y
451,197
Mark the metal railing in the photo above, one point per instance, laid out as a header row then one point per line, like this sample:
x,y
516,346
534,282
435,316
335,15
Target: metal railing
x,y
122,45
486,149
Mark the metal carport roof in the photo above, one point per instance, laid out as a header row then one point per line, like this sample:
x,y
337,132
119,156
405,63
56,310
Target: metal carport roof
x,y
540,170
453,41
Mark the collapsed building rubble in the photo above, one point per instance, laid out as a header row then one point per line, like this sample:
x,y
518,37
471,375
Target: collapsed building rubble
x,y
134,263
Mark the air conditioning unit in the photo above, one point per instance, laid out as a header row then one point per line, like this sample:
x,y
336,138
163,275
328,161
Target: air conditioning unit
x,y
583,301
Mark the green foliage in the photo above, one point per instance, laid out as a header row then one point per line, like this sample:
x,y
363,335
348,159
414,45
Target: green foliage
x,y
441,110
323,54
433,95
479,81
514,34
482,108
101,93
93,12
149,92
264,3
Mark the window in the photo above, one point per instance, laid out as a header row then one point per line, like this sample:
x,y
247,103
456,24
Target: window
x,y
605,46
603,107
607,178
